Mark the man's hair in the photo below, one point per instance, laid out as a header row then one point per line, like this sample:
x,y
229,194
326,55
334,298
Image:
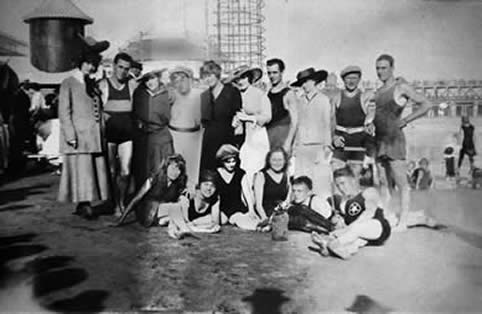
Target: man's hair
x,y
136,65
123,56
388,58
279,62
210,67
343,172
303,180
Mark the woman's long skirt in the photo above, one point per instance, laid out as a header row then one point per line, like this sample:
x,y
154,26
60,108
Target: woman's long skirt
x,y
85,178
189,145
253,151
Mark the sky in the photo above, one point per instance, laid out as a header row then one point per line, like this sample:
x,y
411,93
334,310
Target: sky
x,y
430,39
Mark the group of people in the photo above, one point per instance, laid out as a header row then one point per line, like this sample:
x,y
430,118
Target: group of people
x,y
196,159
23,125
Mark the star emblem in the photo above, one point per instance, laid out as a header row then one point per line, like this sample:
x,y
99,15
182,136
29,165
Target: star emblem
x,y
354,209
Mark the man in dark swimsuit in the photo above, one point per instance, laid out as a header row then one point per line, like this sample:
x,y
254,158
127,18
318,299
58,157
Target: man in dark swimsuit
x,y
354,114
390,100
468,147
284,116
117,94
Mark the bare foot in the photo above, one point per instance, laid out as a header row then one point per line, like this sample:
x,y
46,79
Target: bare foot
x,y
322,241
339,250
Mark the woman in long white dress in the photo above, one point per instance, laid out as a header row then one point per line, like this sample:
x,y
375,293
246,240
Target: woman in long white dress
x,y
255,114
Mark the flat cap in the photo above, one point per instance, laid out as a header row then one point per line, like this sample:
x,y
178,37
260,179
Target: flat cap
x,y
350,69
227,151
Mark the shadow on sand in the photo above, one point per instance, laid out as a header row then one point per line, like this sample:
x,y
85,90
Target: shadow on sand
x,y
364,304
266,301
15,195
49,275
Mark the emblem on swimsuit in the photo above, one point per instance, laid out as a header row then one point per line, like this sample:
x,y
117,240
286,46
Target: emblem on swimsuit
x,y
354,209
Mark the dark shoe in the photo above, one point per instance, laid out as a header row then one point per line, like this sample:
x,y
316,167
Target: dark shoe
x,y
85,211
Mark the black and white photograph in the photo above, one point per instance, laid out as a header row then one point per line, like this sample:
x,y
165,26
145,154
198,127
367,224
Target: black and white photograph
x,y
240,156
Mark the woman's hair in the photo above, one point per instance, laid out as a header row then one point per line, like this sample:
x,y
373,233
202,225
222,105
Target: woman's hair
x,y
179,161
210,67
91,86
209,176
89,57
273,151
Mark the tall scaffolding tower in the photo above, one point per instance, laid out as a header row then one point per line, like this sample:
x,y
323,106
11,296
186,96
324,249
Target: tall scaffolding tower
x,y
237,37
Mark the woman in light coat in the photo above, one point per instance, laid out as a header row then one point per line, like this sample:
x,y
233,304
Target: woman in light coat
x,y
84,176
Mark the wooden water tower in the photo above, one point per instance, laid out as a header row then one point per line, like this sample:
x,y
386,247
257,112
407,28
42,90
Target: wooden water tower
x,y
56,29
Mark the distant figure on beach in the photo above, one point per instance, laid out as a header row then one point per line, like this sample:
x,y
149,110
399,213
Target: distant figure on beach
x,y
468,147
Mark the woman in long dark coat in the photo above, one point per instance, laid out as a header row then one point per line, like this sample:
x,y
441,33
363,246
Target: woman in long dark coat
x,y
153,141
219,105
85,175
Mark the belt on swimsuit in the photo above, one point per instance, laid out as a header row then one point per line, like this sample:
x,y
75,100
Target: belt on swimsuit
x,y
350,130
187,130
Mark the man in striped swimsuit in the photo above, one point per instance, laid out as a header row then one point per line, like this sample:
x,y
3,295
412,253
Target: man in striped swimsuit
x,y
117,93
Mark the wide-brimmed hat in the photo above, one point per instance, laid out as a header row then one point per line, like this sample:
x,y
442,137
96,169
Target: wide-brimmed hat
x,y
227,151
182,69
90,45
351,69
309,74
255,72
154,73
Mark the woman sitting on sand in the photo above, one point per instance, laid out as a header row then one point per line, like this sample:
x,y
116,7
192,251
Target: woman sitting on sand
x,y
236,199
271,184
196,213
162,187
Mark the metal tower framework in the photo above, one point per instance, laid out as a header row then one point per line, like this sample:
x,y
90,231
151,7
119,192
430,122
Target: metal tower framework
x,y
239,32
